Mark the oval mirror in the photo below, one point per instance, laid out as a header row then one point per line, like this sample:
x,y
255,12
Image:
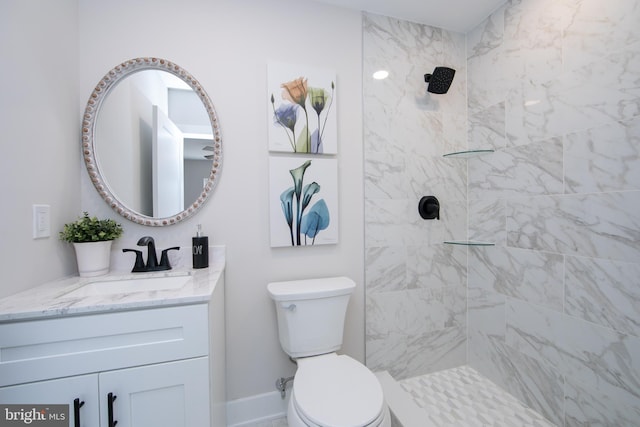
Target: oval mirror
x,y
151,141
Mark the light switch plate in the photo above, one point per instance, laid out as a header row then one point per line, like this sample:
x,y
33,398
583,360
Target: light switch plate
x,y
41,221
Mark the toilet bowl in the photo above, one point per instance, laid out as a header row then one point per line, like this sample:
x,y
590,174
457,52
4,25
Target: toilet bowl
x,y
336,391
329,390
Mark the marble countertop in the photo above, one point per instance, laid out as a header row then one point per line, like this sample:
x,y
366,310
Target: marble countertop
x,y
56,299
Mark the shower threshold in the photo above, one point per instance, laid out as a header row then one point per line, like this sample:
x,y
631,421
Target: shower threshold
x,y
459,397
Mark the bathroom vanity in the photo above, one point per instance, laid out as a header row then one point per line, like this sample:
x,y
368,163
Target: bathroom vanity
x,y
133,350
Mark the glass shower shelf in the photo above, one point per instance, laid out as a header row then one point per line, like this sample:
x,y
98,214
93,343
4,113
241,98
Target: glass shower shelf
x,y
468,243
468,153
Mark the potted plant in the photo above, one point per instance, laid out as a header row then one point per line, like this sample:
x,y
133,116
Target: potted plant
x,y
92,239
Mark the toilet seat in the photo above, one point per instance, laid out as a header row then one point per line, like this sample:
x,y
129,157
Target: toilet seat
x,y
297,419
337,391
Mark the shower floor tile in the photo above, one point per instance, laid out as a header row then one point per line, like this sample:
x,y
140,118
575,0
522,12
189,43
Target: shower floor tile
x,y
463,397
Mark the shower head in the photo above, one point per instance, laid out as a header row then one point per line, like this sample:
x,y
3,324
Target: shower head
x,y
440,80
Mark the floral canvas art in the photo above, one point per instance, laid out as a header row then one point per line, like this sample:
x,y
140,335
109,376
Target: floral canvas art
x,y
303,201
302,109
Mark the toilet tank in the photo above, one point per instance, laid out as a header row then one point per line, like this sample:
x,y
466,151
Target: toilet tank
x,y
311,314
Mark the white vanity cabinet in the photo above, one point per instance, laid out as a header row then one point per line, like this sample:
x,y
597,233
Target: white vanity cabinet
x,y
79,392
152,367
162,394
165,394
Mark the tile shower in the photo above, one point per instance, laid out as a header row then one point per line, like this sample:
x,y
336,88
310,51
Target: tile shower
x,y
551,313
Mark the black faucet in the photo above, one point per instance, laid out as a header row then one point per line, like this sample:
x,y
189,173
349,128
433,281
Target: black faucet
x,y
152,259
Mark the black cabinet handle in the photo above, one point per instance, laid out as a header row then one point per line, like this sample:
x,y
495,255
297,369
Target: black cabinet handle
x,y
110,399
77,404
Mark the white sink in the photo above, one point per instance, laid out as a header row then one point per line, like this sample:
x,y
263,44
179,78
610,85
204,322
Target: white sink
x,y
124,286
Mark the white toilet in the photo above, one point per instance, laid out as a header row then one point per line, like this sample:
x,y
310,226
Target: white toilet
x,y
329,390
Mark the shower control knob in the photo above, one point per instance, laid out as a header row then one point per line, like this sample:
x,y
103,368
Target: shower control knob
x,y
429,207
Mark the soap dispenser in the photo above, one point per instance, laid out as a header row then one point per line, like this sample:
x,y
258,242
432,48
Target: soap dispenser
x,y
200,249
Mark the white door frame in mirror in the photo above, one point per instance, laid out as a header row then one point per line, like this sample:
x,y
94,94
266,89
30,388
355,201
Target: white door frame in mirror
x,y
110,80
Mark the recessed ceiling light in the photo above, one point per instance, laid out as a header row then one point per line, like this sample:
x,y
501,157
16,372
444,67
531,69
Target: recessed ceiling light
x,y
381,74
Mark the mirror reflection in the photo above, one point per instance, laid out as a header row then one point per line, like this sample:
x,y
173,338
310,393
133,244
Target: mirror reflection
x,y
151,141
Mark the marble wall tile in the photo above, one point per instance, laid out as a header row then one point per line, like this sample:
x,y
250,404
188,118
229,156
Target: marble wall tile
x,y
486,329
415,295
536,331
454,117
561,124
414,312
454,104
385,268
410,356
401,48
385,222
397,40
487,128
602,92
487,220
443,177
435,351
598,28
529,169
486,312
435,267
568,71
437,176
532,46
537,384
605,158
377,134
602,358
485,68
528,106
536,277
420,132
588,406
453,217
454,53
604,292
385,176
588,353
604,225
420,232
387,353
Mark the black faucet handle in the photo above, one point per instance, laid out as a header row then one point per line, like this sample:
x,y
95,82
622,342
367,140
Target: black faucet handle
x,y
164,258
139,263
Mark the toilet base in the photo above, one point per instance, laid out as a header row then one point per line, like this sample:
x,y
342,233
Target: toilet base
x,y
294,419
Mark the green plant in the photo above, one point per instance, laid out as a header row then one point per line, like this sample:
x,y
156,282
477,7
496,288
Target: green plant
x,y
90,229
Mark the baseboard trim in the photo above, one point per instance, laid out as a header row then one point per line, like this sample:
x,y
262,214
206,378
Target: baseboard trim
x,y
255,409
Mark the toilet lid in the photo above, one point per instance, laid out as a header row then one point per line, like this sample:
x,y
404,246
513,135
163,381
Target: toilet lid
x,y
337,390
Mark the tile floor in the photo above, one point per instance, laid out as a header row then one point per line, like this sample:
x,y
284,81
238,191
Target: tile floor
x,y
461,397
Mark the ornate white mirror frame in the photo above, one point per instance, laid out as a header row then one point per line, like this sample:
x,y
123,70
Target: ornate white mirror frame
x,y
108,82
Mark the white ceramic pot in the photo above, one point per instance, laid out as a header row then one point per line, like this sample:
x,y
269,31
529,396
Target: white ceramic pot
x,y
93,258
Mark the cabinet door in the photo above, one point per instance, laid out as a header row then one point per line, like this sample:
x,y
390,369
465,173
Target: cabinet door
x,y
60,392
172,394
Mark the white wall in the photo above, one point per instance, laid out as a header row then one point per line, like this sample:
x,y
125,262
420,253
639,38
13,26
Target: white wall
x,y
226,45
40,123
